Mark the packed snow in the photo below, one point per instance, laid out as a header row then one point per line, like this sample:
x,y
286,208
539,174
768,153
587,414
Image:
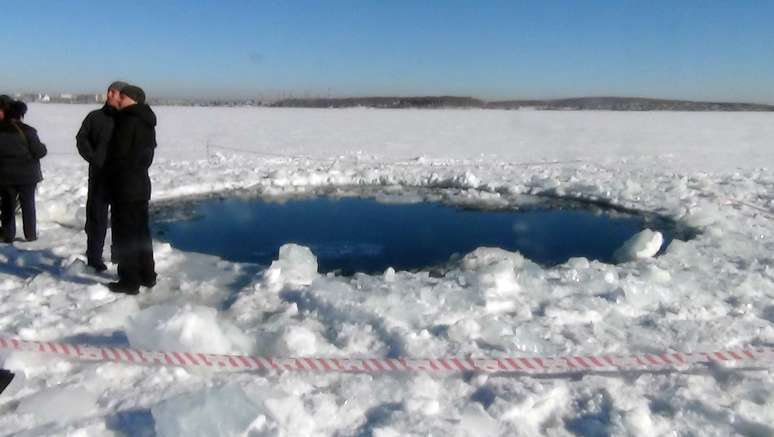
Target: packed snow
x,y
711,171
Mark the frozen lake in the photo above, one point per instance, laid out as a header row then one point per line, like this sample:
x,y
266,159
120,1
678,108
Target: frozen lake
x,y
709,171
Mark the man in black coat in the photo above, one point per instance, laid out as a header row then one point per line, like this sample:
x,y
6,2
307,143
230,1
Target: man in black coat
x,y
126,165
92,141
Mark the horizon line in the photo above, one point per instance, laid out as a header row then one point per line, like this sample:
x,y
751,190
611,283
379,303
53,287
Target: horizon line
x,y
277,97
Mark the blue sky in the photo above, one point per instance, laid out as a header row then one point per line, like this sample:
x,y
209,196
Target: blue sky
x,y
699,49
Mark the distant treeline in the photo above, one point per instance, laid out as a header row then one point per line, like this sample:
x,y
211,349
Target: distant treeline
x,y
577,104
431,102
383,102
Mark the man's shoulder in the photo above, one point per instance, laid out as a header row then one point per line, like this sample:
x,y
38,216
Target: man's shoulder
x,y
100,114
27,128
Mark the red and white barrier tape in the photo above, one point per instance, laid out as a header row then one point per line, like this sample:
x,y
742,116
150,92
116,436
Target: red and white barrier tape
x,y
532,365
762,211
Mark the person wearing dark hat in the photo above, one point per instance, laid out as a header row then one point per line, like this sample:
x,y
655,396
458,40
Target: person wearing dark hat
x,y
5,102
129,156
20,154
92,142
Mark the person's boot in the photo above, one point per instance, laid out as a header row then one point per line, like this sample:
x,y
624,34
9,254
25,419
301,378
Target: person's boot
x,y
150,281
5,378
124,288
97,265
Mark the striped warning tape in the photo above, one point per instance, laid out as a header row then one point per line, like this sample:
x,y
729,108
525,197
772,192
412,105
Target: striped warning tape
x,y
741,203
759,357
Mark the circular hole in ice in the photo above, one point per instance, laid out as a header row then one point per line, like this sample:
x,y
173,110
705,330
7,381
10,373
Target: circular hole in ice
x,y
368,231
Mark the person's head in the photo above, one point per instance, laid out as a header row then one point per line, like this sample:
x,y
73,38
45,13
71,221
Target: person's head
x,y
16,110
5,102
131,95
113,95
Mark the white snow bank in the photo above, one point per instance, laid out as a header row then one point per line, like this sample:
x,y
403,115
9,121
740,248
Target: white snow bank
x,y
190,328
645,244
296,265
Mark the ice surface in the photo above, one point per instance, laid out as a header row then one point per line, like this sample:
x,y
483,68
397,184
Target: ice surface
x,y
712,292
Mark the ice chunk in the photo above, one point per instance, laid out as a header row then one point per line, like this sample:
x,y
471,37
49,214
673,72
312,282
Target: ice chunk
x,y
76,267
484,256
297,341
296,265
290,414
494,274
389,275
385,432
464,330
59,404
423,397
190,328
114,315
655,274
643,245
476,421
223,411
32,364
232,410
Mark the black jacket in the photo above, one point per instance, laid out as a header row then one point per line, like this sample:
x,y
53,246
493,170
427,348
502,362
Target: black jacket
x,y
20,154
94,136
130,154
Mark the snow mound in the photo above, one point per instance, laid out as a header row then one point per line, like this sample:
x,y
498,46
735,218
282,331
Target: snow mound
x,y
296,265
224,411
645,244
190,328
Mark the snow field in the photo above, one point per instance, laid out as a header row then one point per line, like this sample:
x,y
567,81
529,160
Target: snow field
x,y
713,292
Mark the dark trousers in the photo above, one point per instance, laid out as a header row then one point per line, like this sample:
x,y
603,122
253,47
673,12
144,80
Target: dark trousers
x,y
26,195
5,378
97,205
132,243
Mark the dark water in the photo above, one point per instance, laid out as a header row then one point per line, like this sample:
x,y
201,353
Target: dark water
x,y
362,235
